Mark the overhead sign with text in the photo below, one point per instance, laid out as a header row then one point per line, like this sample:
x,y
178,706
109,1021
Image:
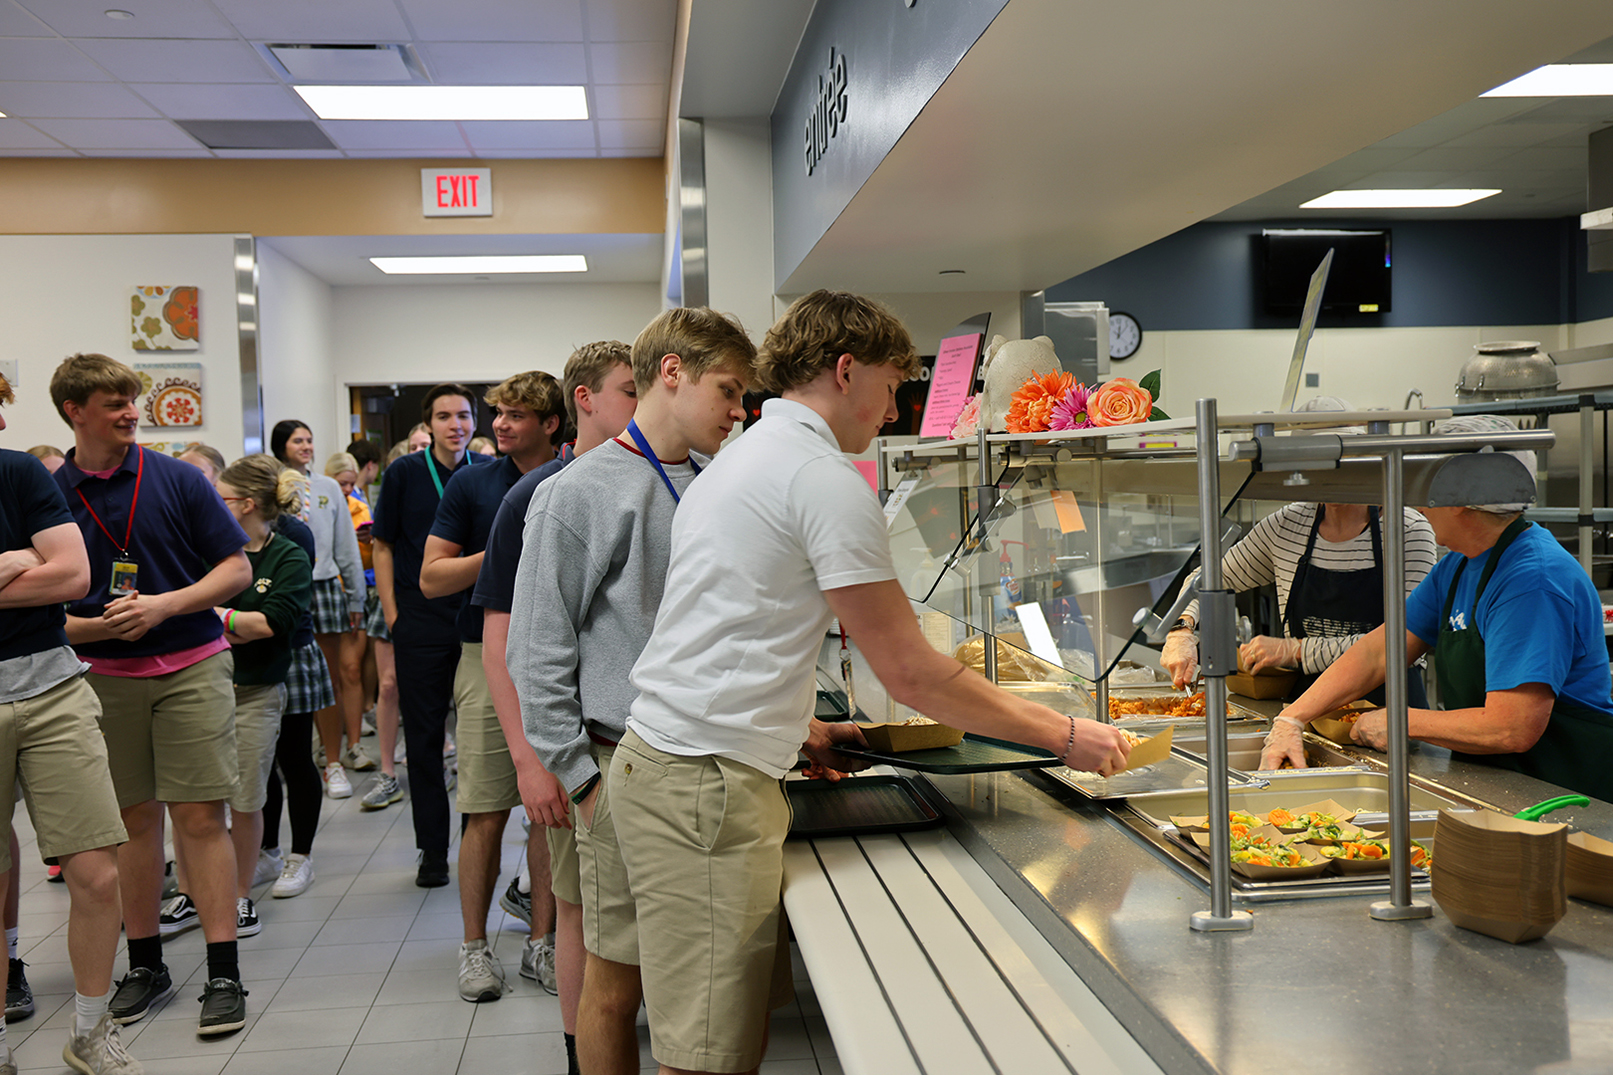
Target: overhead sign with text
x,y
456,191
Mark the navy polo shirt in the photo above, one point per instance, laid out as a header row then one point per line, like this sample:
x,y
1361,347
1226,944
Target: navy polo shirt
x,y
29,503
495,583
404,515
181,530
465,516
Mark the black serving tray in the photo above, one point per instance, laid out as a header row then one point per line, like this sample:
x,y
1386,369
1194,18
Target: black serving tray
x,y
857,806
976,754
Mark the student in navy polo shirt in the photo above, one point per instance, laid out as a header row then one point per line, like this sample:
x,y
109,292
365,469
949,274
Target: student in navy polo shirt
x,y
54,745
600,399
164,551
425,638
528,417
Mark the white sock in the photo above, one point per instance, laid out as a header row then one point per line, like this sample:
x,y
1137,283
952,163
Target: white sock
x,y
11,941
87,1011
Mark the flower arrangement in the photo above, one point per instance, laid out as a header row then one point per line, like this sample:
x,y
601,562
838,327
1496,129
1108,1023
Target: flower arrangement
x,y
968,421
1056,401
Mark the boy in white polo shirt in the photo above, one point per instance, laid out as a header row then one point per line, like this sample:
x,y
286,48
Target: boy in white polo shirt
x,y
779,535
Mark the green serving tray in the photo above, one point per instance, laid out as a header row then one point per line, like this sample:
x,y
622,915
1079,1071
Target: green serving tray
x,y
857,806
976,754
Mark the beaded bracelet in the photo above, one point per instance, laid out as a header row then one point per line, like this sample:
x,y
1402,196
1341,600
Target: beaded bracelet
x,y
1065,757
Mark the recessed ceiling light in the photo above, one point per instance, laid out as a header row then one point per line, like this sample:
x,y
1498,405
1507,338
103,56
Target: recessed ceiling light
x,y
474,265
446,102
119,13
1396,199
1560,80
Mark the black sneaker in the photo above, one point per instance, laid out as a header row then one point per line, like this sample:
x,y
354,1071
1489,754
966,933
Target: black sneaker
x,y
223,1007
433,871
139,990
516,902
19,998
246,918
178,915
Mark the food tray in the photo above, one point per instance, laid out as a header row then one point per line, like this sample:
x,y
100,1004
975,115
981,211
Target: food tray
x,y
1180,771
857,806
1235,710
976,754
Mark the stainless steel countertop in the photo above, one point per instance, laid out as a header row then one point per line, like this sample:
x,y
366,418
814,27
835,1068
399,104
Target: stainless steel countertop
x,y
1317,986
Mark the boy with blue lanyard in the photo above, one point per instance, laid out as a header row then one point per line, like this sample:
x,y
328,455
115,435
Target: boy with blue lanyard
x,y
593,567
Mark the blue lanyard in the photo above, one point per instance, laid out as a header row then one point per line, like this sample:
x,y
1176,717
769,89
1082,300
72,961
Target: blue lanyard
x,y
644,447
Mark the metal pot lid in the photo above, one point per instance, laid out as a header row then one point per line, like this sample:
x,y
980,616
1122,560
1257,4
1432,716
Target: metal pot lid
x,y
1502,347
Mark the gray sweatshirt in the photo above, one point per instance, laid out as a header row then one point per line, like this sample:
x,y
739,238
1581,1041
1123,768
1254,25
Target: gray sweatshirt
x,y
593,566
335,541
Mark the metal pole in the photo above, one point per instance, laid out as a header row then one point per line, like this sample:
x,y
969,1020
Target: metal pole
x,y
986,500
1400,906
1100,649
1216,612
1587,475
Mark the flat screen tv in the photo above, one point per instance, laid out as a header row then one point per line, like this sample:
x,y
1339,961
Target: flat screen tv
x,y
1358,282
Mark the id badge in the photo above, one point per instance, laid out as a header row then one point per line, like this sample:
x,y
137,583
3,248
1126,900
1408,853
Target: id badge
x,y
125,578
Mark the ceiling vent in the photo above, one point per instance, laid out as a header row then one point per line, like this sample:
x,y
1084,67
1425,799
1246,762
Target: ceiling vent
x,y
256,134
346,63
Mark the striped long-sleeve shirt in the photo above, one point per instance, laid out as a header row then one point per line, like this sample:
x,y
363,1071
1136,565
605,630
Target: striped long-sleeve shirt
x,y
1271,553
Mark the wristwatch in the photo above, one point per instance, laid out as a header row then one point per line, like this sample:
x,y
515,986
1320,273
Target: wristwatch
x,y
1183,624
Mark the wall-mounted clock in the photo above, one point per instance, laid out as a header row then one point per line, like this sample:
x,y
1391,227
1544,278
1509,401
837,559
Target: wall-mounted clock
x,y
1125,335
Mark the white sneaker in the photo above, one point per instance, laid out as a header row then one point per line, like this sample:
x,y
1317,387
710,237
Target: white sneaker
x,y
269,866
295,878
100,1052
336,785
537,963
480,976
359,761
400,756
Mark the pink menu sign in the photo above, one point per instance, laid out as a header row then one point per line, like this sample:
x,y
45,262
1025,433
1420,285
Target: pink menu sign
x,y
950,383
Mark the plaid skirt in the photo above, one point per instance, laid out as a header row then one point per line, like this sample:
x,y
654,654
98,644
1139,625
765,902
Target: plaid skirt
x,y
308,688
329,607
374,618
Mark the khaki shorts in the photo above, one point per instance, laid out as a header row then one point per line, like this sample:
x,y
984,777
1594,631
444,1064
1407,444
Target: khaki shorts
x,y
487,782
703,839
609,926
564,880
52,745
171,738
257,726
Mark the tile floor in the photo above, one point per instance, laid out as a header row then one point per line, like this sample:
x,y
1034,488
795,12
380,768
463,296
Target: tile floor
x,y
357,976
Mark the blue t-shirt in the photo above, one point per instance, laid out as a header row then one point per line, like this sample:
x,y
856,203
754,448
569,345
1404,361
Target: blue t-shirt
x,y
181,530
29,503
404,514
1540,618
495,583
469,502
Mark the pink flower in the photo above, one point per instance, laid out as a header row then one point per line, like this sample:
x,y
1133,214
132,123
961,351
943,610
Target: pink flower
x,y
1119,402
968,419
1071,411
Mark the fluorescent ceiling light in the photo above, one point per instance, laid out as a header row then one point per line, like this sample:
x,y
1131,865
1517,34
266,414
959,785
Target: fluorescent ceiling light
x,y
1560,80
484,264
1396,199
446,102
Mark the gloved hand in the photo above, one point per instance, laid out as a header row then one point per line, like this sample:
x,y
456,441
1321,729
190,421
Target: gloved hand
x,y
1263,652
1283,742
1180,657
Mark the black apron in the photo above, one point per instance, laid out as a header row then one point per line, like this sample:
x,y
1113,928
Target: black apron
x,y
1574,750
1344,605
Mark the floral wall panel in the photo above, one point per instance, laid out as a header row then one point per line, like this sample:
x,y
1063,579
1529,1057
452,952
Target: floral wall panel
x,y
170,393
165,318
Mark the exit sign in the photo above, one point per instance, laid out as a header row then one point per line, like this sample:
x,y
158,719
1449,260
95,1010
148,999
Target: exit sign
x,y
456,191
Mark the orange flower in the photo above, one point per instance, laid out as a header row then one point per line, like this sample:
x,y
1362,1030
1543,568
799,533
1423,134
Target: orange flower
x,y
1032,406
181,314
1119,402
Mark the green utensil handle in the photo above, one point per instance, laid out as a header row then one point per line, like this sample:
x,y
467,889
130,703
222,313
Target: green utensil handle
x,y
1540,810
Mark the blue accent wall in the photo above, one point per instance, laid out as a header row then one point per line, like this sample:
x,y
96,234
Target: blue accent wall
x,y
1458,272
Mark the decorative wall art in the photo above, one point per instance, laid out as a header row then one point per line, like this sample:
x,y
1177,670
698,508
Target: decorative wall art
x,y
170,393
165,318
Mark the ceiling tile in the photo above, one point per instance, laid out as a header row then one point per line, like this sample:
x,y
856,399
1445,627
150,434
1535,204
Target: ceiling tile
x,y
1540,157
199,151
457,64
316,21
152,18
412,136
536,154
635,151
15,134
1463,159
96,134
632,20
1519,135
629,102
5,152
461,152
624,133
179,61
550,134
17,22
633,63
48,60
189,100
94,100
495,20
277,154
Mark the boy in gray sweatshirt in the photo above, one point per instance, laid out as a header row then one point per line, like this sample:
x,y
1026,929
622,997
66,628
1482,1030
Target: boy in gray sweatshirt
x,y
593,566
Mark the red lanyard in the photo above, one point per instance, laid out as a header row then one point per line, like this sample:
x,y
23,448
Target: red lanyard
x,y
139,471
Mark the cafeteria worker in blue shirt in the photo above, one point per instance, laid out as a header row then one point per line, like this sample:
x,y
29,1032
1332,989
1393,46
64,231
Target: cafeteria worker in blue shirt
x,y
1515,626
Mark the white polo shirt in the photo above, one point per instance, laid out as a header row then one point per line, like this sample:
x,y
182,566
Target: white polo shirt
x,y
780,516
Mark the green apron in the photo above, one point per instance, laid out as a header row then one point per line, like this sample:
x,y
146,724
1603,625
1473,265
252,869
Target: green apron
x,y
1576,749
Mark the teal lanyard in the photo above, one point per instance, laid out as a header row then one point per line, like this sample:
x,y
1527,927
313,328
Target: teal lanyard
x,y
431,465
644,447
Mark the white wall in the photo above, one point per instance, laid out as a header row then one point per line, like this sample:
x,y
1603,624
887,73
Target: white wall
x,y
63,294
294,353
